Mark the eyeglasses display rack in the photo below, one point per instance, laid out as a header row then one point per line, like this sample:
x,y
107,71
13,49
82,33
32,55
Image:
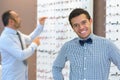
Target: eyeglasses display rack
x,y
113,31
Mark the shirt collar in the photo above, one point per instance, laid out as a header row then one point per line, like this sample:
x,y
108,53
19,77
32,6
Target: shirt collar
x,y
10,30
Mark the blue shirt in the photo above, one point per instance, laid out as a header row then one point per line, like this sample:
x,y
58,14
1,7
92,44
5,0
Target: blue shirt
x,y
88,62
13,56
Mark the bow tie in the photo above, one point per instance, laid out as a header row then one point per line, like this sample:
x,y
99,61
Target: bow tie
x,y
82,42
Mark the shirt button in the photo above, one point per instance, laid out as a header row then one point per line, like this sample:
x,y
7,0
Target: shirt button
x,y
84,58
84,68
85,48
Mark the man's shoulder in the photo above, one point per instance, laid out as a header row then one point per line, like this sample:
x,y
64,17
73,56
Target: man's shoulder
x,y
99,37
72,41
102,39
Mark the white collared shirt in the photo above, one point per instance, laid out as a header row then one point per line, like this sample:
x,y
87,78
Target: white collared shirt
x,y
12,55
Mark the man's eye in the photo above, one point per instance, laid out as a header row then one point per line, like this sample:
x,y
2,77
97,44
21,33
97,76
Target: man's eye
x,y
76,25
84,22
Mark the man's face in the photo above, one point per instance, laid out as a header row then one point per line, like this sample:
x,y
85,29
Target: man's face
x,y
15,17
81,25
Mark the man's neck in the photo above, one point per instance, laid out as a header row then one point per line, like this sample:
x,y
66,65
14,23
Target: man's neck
x,y
12,27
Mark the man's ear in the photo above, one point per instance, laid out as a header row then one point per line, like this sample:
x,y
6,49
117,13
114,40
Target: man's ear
x,y
91,20
10,22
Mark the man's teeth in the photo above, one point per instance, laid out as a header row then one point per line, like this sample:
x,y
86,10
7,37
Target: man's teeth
x,y
83,32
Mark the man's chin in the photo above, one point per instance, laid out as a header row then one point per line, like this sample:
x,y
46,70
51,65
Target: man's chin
x,y
83,36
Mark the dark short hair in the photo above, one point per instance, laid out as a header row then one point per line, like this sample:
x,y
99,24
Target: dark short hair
x,y
5,17
77,12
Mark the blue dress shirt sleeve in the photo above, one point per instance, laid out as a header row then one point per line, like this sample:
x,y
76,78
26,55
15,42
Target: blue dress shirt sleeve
x,y
29,38
11,46
114,54
59,64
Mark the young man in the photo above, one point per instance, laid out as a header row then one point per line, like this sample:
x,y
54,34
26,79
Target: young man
x,y
89,55
13,46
